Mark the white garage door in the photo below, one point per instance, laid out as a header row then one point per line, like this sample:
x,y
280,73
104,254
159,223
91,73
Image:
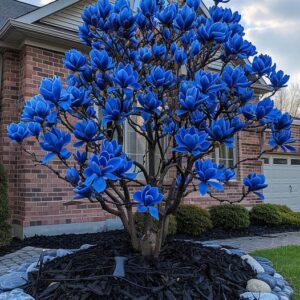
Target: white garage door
x,y
283,177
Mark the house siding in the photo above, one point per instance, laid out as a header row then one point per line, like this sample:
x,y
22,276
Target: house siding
x,y
69,18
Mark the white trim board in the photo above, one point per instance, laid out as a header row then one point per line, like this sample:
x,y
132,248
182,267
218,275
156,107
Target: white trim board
x,y
46,10
70,228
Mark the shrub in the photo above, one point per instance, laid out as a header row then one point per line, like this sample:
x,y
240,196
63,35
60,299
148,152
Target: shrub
x,y
192,220
229,216
140,221
291,219
4,212
265,214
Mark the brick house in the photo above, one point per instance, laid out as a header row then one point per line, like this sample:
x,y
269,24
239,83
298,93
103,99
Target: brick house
x,y
32,45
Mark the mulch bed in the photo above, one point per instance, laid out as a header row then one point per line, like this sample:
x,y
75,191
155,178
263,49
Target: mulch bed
x,y
184,270
76,240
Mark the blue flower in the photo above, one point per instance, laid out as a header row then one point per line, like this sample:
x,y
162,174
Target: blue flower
x,y
208,83
145,54
249,111
282,139
159,77
195,48
169,126
52,91
227,174
191,140
148,7
262,65
90,15
278,79
195,4
54,142
180,56
264,107
74,60
147,198
185,18
86,131
80,96
100,168
101,60
115,110
124,168
208,174
83,191
198,119
236,45
237,124
210,31
255,182
111,147
125,76
220,14
221,131
235,77
34,128
35,110
149,105
72,176
168,14
284,121
80,157
189,98
18,132
159,50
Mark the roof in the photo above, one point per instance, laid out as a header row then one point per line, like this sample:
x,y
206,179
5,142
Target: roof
x,y
54,23
13,9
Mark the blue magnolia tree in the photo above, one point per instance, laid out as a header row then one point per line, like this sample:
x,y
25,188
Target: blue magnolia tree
x,y
148,69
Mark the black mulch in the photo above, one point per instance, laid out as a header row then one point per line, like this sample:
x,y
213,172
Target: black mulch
x,y
76,240
184,270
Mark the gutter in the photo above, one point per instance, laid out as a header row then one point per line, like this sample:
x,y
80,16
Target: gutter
x,y
41,32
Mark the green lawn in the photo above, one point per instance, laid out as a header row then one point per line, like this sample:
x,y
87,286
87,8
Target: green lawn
x,y
286,261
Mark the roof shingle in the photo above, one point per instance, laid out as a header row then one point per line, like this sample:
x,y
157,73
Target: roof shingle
x,y
13,9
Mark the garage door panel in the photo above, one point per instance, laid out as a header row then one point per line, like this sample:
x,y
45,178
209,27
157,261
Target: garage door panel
x,y
283,184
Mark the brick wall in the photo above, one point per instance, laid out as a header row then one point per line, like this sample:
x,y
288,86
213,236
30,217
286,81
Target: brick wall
x,y
36,196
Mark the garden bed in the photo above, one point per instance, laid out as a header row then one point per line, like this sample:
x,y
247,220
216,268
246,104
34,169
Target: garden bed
x,y
184,270
76,240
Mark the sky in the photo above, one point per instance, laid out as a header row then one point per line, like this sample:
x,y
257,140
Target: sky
x,y
273,26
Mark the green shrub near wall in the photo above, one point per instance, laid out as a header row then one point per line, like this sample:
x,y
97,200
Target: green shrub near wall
x,y
229,216
266,215
274,215
4,211
192,220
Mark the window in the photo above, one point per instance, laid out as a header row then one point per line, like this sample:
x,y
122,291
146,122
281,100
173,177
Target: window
x,y
266,161
295,162
225,156
280,161
136,148
134,145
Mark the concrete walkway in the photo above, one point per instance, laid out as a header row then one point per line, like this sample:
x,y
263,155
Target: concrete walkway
x,y
13,260
249,244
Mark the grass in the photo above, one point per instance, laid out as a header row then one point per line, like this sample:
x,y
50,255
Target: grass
x,y
286,262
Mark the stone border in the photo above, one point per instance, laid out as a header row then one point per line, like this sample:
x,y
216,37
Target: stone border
x,y
267,285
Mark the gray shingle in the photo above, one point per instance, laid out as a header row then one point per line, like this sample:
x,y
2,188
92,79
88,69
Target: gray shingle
x,y
13,9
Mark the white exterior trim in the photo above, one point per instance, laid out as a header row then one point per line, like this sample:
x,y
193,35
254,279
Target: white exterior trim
x,y
296,122
46,10
75,228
